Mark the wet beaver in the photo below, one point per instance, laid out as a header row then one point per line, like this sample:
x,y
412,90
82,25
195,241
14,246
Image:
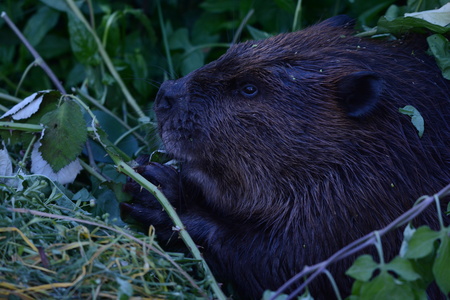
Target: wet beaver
x,y
293,147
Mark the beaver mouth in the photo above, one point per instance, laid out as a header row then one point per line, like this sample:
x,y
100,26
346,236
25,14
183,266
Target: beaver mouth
x,y
182,144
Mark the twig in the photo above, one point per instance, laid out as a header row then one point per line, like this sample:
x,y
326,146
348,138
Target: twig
x,y
39,61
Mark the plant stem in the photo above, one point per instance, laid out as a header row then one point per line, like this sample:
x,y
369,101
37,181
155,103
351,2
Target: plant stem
x,y
165,42
241,26
10,98
297,16
126,169
21,126
37,57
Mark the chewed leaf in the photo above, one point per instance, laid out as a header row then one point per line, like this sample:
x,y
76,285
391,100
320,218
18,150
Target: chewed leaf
x,y
40,166
32,105
64,136
25,108
416,118
439,16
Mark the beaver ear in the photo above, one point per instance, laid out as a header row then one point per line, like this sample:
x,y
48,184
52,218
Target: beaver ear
x,y
359,92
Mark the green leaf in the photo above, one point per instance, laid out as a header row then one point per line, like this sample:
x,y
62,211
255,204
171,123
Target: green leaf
x,y
421,243
257,34
64,135
82,42
439,16
363,268
441,266
125,289
384,286
403,268
440,47
404,24
416,118
140,73
39,24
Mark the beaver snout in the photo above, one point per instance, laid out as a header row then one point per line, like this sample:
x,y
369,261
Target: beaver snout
x,y
170,94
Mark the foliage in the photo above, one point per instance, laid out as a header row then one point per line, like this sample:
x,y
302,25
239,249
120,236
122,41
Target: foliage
x,y
51,248
112,57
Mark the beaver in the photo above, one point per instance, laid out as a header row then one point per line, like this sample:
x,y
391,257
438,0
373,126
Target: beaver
x,y
292,147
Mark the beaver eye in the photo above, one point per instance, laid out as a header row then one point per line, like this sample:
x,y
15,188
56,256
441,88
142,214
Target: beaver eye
x,y
249,90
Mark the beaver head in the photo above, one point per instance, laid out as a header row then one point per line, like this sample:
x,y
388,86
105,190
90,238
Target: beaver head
x,y
307,119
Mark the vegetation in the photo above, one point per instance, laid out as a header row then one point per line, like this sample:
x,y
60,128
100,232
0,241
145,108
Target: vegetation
x,y
88,91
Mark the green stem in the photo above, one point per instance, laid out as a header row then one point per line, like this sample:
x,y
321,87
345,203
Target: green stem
x,y
92,171
333,284
131,101
439,213
126,169
20,126
379,247
241,26
10,98
165,42
297,16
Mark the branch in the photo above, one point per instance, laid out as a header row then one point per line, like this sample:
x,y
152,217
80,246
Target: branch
x,y
38,59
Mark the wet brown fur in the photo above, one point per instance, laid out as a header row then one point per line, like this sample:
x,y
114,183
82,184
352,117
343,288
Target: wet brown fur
x,y
285,178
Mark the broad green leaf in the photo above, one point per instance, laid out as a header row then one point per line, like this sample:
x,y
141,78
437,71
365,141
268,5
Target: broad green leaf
x,y
404,24
421,243
193,61
64,136
440,47
140,73
82,42
441,266
257,34
439,16
416,118
39,25
421,5
363,268
403,268
384,286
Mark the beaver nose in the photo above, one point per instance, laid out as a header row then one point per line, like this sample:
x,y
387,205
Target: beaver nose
x,y
169,94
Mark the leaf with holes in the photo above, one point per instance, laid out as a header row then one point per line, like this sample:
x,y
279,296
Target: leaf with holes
x,y
64,135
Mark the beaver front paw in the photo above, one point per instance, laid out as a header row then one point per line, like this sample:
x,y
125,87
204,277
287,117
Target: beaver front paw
x,y
144,209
